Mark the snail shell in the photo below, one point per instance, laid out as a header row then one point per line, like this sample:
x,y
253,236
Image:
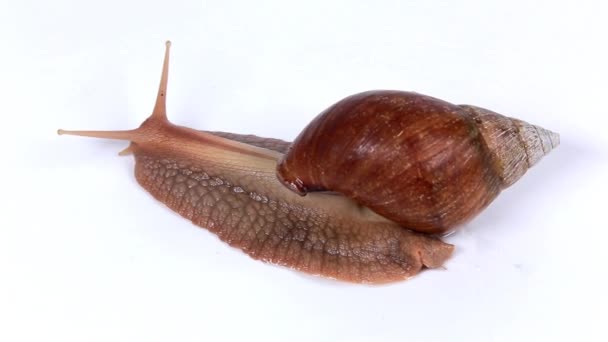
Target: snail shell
x,y
421,162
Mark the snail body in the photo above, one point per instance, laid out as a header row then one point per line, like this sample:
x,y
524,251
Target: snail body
x,y
229,184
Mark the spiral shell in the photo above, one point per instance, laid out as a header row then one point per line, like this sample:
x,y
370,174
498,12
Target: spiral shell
x,y
515,145
424,163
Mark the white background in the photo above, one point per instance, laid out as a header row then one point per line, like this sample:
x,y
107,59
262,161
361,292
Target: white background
x,y
87,255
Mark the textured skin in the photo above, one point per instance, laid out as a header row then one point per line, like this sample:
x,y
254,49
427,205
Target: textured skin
x,y
273,144
253,212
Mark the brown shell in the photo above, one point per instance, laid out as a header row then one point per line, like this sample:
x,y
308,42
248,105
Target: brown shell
x,y
424,163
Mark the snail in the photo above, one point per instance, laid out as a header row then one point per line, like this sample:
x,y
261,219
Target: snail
x,y
360,195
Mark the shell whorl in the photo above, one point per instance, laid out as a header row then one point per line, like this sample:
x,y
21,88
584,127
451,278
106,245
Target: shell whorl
x,y
421,162
515,144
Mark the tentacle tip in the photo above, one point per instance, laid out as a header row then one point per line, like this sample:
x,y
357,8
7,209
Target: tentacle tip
x,y
168,43
60,132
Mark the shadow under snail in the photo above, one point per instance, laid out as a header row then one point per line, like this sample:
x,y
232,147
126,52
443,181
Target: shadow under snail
x,y
383,172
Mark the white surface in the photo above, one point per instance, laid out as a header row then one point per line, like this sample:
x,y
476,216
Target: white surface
x,y
87,255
